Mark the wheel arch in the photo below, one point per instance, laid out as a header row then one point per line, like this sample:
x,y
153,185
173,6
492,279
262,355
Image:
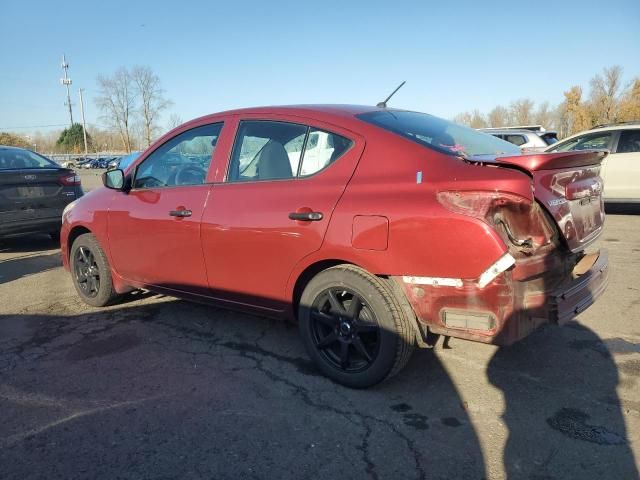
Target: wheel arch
x,y
305,277
75,232
315,268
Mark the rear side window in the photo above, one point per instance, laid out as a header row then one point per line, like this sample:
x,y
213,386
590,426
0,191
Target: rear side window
x,y
516,139
439,134
19,158
592,141
266,150
549,138
629,141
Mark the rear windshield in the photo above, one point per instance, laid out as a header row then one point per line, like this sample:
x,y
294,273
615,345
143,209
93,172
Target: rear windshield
x,y
14,158
439,134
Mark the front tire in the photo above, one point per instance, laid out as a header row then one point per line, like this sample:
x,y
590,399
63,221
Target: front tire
x,y
353,327
90,272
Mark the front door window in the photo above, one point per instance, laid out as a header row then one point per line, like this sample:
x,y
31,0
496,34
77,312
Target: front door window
x,y
183,160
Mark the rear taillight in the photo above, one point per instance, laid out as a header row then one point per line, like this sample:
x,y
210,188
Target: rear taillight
x,y
481,204
70,180
518,219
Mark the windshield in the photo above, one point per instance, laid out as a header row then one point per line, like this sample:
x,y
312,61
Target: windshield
x,y
17,158
439,134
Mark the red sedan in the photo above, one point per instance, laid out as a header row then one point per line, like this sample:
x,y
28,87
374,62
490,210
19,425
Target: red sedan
x,y
377,229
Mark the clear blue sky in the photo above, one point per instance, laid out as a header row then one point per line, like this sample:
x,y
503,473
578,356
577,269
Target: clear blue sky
x,y
212,56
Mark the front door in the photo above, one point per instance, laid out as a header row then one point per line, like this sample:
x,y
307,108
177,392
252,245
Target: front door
x,y
154,229
274,206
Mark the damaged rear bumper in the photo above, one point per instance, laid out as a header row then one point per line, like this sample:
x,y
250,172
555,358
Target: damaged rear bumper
x,y
507,310
589,281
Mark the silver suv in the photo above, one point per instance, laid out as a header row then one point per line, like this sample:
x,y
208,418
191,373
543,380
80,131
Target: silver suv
x,y
530,138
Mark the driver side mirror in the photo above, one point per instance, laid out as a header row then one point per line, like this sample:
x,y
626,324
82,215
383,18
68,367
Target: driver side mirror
x,y
114,179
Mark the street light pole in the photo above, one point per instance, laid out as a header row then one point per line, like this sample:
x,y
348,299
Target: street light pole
x,y
84,126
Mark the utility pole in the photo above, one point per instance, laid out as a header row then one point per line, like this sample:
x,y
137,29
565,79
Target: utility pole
x,y
67,81
84,126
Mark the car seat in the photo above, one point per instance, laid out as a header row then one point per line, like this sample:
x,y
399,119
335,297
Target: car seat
x,y
273,162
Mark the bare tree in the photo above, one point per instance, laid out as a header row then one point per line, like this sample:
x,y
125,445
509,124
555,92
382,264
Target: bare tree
x,y
478,120
152,101
498,117
174,121
522,111
604,98
544,115
116,100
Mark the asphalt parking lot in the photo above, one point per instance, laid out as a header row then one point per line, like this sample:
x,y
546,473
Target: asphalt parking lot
x,y
160,388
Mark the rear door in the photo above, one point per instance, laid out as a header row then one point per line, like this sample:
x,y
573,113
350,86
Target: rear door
x,y
274,206
622,175
154,229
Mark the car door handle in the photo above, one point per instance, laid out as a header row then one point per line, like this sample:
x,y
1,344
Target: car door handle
x,y
306,216
180,213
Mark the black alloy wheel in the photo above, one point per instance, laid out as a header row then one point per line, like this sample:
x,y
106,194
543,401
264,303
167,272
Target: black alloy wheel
x,y
354,326
345,330
86,271
91,272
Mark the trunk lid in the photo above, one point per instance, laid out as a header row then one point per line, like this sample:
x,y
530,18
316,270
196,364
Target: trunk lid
x,y
34,192
568,185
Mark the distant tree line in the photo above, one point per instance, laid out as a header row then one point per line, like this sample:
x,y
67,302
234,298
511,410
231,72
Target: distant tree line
x,y
608,101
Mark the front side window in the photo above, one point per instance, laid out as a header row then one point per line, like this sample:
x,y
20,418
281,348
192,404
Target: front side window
x,y
183,160
629,141
266,150
439,134
592,141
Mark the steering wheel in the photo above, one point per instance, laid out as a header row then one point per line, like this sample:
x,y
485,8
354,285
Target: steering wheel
x,y
149,182
190,175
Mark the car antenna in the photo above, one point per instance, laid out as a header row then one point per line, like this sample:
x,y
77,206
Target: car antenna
x,y
384,104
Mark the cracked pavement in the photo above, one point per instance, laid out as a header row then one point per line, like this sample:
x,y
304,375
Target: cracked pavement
x,y
161,388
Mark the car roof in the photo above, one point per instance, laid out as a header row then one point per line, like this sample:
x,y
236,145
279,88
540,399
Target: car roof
x,y
11,147
605,128
511,130
321,111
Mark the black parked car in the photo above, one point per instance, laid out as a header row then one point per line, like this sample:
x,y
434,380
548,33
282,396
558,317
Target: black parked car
x,y
33,192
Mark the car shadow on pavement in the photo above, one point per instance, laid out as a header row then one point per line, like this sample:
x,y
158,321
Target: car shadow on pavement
x,y
28,264
195,391
560,386
562,408
28,243
176,389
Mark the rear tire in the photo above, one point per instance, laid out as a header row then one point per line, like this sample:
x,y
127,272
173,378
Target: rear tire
x,y
353,327
91,272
